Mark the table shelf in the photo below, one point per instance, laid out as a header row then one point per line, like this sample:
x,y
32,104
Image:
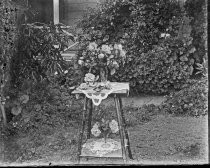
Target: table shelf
x,y
113,154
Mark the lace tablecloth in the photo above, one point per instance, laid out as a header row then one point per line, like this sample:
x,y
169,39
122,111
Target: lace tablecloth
x,y
99,148
97,97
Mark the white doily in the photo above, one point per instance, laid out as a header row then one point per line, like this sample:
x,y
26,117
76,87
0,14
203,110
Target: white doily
x,y
97,97
100,148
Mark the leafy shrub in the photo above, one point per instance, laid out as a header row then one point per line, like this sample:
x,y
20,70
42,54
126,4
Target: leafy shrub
x,y
191,100
197,10
49,106
39,53
7,47
149,31
164,68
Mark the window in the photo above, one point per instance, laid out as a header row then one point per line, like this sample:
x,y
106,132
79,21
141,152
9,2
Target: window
x,y
43,9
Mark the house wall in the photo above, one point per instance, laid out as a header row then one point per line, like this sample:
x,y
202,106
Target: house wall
x,y
43,10
69,10
72,10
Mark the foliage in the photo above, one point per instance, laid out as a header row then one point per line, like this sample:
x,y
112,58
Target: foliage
x,y
166,67
197,10
71,79
105,127
39,53
147,30
191,100
7,47
49,105
203,68
132,115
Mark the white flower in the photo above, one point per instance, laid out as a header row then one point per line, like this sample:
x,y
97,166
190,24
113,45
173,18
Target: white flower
x,y
96,125
106,49
122,53
111,56
114,126
100,56
119,46
80,62
83,86
92,46
56,46
89,77
115,46
66,71
115,64
162,35
167,35
95,130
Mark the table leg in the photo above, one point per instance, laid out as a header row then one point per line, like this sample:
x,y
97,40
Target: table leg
x,y
125,127
81,131
117,104
90,112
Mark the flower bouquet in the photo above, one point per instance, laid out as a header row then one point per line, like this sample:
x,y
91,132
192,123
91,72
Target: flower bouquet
x,y
102,59
105,128
92,81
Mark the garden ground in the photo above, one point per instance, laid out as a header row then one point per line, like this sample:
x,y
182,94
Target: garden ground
x,y
163,139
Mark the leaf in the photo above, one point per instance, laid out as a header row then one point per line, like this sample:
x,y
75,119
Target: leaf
x,y
192,50
37,107
113,71
16,110
24,99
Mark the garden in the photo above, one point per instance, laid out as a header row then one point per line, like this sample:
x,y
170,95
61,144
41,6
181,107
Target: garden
x,y
159,47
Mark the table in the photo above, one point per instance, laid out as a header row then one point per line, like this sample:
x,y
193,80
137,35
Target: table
x,y
125,152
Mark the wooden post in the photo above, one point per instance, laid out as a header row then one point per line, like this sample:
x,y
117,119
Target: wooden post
x,y
56,11
81,131
125,130
90,112
119,117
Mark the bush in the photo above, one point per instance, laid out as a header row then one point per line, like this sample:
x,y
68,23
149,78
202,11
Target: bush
x,y
38,53
197,10
166,67
49,106
149,32
191,100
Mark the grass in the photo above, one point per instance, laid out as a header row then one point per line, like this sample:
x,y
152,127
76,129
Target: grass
x,y
155,137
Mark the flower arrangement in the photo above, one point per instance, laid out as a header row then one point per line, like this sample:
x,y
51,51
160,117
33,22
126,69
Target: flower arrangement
x,y
105,127
92,81
105,59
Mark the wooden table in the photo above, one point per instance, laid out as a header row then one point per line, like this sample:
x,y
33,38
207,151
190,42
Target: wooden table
x,y
125,152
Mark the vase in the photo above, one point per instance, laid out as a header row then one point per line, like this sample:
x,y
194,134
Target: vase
x,y
105,144
103,74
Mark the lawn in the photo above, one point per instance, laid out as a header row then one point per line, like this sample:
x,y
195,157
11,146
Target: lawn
x,y
156,138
